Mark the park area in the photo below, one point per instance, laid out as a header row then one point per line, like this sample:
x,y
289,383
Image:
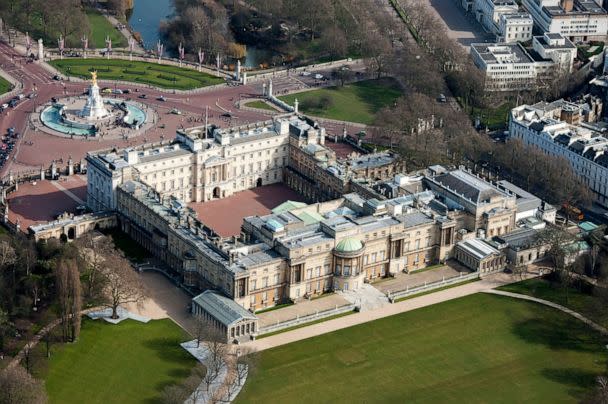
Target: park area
x,y
159,75
480,348
5,86
100,29
357,102
126,363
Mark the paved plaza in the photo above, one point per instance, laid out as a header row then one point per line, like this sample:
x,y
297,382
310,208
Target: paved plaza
x,y
402,281
41,201
225,216
165,300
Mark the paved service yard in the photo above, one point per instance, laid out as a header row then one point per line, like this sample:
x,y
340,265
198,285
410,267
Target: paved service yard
x,y
401,281
461,26
165,300
225,216
301,309
41,201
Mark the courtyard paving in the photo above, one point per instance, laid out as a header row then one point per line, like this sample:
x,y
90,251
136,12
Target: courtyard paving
x,y
225,216
41,201
301,309
402,281
165,300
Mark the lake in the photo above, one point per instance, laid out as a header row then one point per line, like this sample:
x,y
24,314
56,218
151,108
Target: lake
x,y
146,16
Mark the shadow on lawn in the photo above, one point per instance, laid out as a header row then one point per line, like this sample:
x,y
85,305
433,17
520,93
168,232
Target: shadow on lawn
x,y
580,381
168,350
558,333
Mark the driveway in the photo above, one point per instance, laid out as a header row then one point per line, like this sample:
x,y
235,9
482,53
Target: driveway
x,y
165,300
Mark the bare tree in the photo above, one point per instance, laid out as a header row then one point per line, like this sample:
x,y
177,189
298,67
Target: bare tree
x,y
70,298
18,387
122,284
94,249
8,256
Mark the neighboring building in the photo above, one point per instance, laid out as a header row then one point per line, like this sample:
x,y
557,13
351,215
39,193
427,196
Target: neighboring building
x,y
522,247
72,227
225,316
516,27
489,12
486,208
509,67
479,256
557,48
581,144
578,20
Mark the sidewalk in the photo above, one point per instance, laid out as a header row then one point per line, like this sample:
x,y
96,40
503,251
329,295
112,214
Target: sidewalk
x,y
487,283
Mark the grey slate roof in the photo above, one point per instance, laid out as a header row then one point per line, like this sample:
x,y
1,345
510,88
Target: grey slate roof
x,y
223,309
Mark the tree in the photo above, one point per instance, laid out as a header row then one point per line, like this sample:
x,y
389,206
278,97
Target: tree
x,y
122,284
5,327
93,251
18,387
70,298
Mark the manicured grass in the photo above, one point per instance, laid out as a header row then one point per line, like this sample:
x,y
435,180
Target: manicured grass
x,y
481,348
128,246
493,117
579,299
100,29
5,86
126,363
259,105
164,76
295,327
357,102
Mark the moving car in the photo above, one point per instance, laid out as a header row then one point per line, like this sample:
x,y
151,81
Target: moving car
x,y
175,111
161,98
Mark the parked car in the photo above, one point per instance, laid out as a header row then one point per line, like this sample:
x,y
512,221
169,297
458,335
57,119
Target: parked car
x,y
57,77
143,96
106,90
161,98
318,76
126,91
175,111
117,91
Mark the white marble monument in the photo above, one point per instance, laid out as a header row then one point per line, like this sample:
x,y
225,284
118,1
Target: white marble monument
x,y
94,108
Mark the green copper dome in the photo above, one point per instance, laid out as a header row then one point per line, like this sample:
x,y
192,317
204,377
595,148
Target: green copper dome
x,y
349,244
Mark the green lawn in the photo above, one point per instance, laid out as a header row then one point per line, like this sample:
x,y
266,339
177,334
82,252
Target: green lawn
x,y
100,28
357,102
5,86
126,363
493,117
164,76
477,349
580,300
260,105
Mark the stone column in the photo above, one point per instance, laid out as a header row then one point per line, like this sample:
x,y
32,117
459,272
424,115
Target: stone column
x,y
270,88
245,78
70,166
40,50
41,173
53,170
237,71
296,104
